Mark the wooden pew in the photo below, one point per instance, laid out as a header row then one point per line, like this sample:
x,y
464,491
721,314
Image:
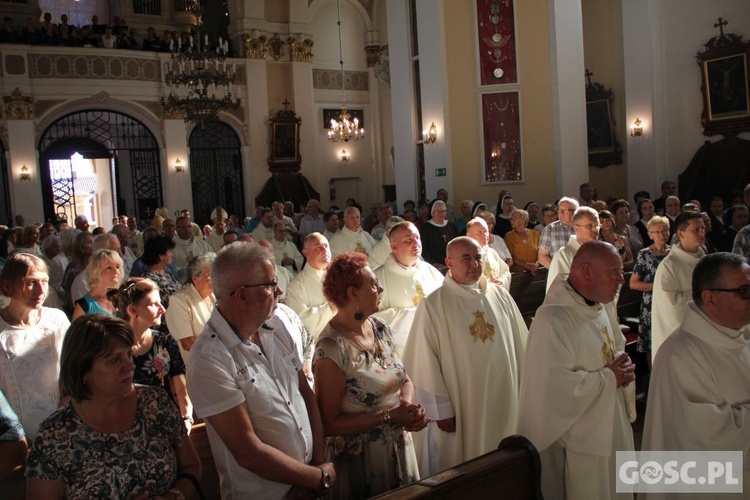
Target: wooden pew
x,y
209,476
528,291
513,471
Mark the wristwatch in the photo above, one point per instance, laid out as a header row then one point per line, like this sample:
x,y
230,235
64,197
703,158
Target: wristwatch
x,y
326,479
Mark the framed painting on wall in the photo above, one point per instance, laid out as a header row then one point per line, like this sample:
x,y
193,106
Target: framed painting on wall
x,y
501,137
725,85
603,147
496,34
284,150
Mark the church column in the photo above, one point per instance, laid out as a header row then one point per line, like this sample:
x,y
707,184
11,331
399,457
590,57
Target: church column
x,y
26,196
569,96
178,193
300,47
256,116
404,147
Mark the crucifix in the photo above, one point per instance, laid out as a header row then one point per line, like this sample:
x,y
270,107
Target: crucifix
x,y
148,212
445,237
721,25
286,104
589,74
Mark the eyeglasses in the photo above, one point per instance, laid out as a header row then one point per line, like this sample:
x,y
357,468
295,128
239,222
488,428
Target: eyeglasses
x,y
743,291
663,231
271,286
588,226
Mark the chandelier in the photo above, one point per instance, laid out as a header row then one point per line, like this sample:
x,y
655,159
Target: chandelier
x,y
200,83
344,129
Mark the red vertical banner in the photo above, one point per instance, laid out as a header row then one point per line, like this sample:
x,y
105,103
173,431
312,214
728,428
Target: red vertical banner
x,y
501,123
497,42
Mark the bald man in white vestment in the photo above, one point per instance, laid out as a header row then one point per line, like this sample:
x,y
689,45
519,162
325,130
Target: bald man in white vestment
x,y
305,294
699,397
673,280
586,228
352,238
464,355
494,267
406,280
575,407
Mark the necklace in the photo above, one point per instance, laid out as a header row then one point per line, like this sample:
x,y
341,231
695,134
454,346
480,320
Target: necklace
x,y
376,352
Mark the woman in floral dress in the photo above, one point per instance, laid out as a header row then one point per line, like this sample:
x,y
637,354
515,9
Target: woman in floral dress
x,y
644,273
364,394
156,355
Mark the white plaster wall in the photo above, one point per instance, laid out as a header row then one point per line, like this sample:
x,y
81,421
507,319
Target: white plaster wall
x,y
663,80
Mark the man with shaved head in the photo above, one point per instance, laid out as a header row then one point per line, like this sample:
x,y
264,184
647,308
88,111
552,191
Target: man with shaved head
x,y
574,404
464,355
406,280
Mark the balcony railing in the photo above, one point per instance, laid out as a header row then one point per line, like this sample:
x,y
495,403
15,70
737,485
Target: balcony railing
x,y
149,7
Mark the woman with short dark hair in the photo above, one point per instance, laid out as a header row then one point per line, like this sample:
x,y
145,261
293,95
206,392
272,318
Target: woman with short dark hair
x,y
112,439
157,255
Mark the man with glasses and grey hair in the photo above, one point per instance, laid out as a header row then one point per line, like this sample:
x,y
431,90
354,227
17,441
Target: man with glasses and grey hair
x,y
586,228
698,396
246,381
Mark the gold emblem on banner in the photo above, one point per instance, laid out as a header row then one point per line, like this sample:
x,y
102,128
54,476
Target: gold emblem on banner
x,y
360,249
488,272
418,296
608,347
480,329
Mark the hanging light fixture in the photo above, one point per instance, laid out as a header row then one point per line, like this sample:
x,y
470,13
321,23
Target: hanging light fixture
x,y
344,129
200,83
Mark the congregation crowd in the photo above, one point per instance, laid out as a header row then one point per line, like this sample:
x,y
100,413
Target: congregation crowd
x,y
345,354
116,35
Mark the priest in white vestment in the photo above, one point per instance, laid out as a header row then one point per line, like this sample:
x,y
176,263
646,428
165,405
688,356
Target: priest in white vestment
x,y
382,249
186,246
577,400
305,294
699,395
352,238
673,281
493,267
406,280
283,275
216,238
586,228
464,355
264,230
285,252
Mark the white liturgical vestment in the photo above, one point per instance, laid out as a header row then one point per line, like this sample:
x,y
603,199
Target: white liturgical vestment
x,y
283,249
464,355
698,398
495,268
305,297
262,233
570,403
563,260
347,240
380,252
186,250
403,290
673,288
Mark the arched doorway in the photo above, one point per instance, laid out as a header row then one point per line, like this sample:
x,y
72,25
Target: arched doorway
x,y
100,162
5,215
216,170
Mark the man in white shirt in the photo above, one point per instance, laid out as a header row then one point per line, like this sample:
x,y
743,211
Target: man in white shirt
x,y
246,381
352,238
136,237
264,231
278,215
305,295
312,222
406,280
698,393
128,256
673,281
186,246
586,226
331,220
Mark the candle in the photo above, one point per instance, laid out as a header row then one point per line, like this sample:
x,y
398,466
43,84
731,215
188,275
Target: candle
x,y
171,45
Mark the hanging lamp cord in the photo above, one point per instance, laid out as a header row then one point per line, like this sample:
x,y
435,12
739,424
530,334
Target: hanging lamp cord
x,y
341,56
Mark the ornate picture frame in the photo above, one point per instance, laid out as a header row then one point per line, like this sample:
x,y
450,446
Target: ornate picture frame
x,y
284,152
725,84
603,147
501,137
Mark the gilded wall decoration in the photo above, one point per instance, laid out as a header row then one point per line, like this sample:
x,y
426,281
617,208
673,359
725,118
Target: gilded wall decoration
x,y
276,44
18,107
255,45
300,49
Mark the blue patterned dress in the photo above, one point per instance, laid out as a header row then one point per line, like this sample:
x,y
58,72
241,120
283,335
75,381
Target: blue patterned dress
x,y
645,267
382,458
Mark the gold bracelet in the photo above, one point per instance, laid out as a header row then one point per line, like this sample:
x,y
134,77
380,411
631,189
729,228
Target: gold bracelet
x,y
386,414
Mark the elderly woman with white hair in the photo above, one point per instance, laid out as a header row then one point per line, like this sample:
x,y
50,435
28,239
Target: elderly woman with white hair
x,y
103,272
191,306
436,233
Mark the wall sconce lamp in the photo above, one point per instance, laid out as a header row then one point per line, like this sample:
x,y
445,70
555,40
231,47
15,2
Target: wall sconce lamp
x,y
430,136
178,166
345,155
25,174
636,129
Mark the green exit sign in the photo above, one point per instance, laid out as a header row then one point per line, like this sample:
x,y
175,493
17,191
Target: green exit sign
x,y
440,172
